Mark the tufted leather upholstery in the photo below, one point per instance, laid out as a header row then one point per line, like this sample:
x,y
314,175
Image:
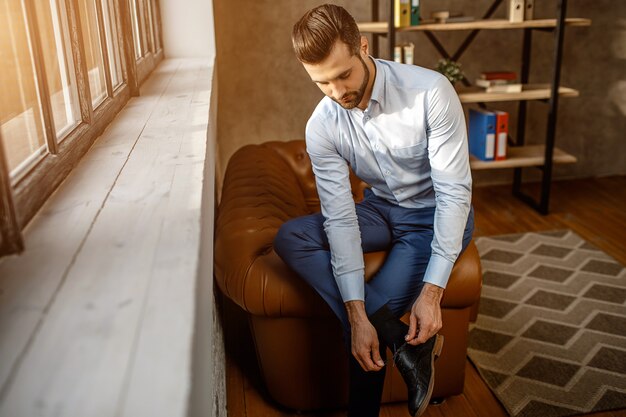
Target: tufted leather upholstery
x,y
296,336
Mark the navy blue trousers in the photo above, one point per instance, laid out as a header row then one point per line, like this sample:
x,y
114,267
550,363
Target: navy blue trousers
x,y
407,233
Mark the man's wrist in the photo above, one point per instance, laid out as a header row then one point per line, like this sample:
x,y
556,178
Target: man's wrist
x,y
432,292
356,311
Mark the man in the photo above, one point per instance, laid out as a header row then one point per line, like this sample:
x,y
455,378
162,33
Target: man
x,y
401,129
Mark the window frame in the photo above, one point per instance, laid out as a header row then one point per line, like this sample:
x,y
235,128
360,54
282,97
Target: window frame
x,y
23,194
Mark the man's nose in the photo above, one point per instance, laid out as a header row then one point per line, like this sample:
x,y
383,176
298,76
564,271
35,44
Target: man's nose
x,y
339,90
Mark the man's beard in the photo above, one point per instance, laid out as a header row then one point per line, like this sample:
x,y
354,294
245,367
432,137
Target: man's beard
x,y
351,99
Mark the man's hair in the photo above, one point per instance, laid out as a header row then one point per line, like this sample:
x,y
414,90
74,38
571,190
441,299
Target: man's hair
x,y
315,33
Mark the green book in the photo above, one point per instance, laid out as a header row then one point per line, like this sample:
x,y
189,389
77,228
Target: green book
x,y
415,12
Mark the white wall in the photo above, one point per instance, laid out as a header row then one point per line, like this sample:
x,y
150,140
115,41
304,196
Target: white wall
x,y
188,29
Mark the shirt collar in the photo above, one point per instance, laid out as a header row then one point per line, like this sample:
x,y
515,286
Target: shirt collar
x,y
379,83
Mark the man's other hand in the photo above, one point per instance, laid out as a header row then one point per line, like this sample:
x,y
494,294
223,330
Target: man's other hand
x,y
364,338
425,320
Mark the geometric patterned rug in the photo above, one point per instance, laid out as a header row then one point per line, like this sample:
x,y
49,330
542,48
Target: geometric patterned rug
x,y
550,339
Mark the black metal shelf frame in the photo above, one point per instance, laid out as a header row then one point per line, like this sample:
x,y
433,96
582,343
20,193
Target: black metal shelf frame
x,y
543,203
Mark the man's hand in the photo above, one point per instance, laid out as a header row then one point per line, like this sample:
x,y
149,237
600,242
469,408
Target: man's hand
x,y
425,320
364,338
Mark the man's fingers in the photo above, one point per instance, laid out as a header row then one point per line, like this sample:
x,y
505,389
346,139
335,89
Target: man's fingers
x,y
426,332
376,356
423,335
362,358
412,329
363,366
365,360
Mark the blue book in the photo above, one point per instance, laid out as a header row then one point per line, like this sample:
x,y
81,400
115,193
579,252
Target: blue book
x,y
482,134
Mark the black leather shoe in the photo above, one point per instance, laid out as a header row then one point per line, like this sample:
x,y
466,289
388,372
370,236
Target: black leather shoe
x,y
416,365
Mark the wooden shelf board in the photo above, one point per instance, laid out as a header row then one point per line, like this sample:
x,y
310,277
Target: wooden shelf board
x,y
529,92
523,156
382,27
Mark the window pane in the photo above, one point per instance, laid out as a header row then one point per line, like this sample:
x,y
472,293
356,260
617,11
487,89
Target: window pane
x,y
20,113
136,33
60,74
93,51
156,29
146,11
109,14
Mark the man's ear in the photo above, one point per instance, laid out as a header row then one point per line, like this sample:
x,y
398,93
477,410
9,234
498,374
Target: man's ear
x,y
365,47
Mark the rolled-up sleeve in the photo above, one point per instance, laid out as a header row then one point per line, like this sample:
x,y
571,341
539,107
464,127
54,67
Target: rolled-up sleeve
x,y
341,223
451,177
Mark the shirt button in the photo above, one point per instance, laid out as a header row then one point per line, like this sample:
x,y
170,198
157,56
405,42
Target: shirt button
x,y
387,172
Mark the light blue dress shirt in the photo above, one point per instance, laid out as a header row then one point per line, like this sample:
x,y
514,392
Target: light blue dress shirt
x,y
410,146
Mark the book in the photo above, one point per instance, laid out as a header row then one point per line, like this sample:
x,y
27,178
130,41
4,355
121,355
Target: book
x,y
402,13
498,75
415,12
502,134
516,11
504,88
482,134
490,83
499,86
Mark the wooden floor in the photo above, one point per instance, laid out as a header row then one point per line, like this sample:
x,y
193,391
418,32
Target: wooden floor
x,y
595,209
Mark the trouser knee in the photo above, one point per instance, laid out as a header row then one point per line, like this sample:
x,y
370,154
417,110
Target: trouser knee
x,y
288,239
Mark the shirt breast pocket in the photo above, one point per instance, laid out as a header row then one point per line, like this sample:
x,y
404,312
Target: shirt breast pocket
x,y
410,157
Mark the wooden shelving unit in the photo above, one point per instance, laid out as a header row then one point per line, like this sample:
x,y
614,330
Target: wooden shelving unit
x,y
524,156
519,155
488,24
529,92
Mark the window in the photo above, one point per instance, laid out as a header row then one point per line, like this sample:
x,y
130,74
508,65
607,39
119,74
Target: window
x,y
66,65
148,14
59,70
93,50
134,12
21,117
156,25
110,17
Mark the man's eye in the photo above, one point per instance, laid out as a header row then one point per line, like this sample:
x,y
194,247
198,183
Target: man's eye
x,y
344,76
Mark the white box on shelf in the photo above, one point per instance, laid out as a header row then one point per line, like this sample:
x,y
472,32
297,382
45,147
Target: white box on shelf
x,y
516,11
397,53
408,53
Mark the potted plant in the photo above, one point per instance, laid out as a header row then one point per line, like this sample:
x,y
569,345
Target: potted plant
x,y
451,69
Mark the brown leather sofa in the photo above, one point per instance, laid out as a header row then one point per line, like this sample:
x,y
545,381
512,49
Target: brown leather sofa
x,y
297,338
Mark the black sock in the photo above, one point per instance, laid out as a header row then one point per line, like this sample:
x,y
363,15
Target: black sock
x,y
366,389
389,328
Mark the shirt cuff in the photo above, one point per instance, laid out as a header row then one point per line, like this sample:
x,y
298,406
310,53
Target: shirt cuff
x,y
438,271
351,286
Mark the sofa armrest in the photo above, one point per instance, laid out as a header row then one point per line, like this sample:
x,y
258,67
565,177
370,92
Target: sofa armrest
x,y
260,193
465,282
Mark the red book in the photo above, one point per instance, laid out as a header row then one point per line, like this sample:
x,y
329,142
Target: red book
x,y
498,75
502,132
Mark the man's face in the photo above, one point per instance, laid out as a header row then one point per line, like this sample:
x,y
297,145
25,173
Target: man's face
x,y
341,76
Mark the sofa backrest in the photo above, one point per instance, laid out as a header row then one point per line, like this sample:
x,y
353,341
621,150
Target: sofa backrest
x,y
294,153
